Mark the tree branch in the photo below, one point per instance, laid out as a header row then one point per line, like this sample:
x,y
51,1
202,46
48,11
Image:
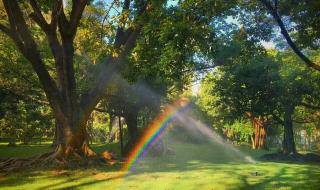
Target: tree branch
x,y
274,12
105,18
310,106
278,119
76,14
6,30
302,121
37,15
109,68
63,22
120,37
100,110
56,11
50,31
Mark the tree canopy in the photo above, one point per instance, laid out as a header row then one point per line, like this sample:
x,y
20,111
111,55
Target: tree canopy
x,y
63,61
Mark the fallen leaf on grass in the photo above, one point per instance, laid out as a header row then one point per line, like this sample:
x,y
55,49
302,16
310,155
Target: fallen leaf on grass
x,y
107,176
2,177
59,172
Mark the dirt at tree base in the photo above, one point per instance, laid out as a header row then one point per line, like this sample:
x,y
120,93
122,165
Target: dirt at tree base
x,y
296,158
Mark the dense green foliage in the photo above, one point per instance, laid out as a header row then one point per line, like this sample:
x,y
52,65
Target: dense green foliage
x,y
24,112
82,74
179,40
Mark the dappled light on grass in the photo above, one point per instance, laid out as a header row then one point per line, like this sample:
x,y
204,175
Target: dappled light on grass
x,y
203,175
23,151
196,154
201,159
176,116
194,166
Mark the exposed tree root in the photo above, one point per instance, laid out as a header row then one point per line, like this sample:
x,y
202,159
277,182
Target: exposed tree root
x,y
15,164
62,157
88,151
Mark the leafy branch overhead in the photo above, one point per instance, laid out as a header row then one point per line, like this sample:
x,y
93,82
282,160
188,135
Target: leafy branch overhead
x,y
274,11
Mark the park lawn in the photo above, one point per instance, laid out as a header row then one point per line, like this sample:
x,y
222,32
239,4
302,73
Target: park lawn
x,y
23,151
26,151
193,167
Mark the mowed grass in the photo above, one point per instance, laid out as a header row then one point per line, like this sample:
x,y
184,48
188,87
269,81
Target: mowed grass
x,y
193,166
23,151
26,151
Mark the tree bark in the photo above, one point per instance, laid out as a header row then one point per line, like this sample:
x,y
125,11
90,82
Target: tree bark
x,y
259,139
111,134
58,134
75,142
132,123
120,131
289,146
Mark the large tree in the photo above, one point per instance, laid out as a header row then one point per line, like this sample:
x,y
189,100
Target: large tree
x,y
172,35
59,22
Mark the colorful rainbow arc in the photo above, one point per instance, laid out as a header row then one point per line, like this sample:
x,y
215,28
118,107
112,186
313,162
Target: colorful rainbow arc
x,y
154,132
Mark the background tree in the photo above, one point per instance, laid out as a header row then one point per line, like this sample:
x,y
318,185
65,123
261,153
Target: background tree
x,y
24,110
247,85
297,21
297,83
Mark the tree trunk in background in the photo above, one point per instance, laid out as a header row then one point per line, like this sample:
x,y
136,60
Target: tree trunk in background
x,y
12,141
259,139
111,134
263,137
121,140
289,146
132,123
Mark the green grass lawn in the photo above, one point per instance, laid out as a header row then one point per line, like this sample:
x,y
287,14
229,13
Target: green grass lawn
x,y
194,166
25,151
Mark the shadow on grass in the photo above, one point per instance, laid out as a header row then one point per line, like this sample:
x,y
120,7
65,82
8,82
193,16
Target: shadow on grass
x,y
304,178
260,175
57,178
189,159
34,175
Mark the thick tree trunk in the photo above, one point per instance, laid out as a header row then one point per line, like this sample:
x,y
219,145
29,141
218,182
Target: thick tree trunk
x,y
289,146
58,134
73,139
72,147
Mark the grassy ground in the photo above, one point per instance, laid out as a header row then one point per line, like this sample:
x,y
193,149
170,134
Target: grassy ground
x,y
193,166
25,151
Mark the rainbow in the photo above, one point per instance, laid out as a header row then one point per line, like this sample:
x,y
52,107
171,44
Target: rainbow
x,y
155,130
